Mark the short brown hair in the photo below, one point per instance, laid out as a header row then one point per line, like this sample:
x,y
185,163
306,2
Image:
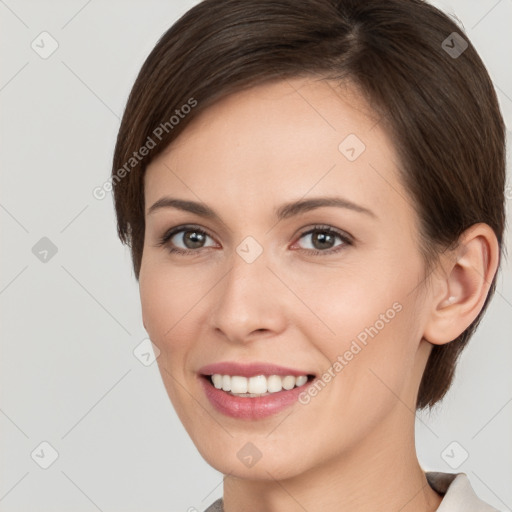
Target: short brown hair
x,y
428,86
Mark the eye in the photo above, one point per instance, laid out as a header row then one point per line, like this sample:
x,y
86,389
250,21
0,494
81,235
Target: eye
x,y
185,240
324,239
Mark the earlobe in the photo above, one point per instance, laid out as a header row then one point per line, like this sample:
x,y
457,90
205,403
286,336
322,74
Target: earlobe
x,y
462,284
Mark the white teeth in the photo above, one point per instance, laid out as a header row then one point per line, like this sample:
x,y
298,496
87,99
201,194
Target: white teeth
x,y
226,383
217,380
289,382
257,385
274,383
238,384
300,381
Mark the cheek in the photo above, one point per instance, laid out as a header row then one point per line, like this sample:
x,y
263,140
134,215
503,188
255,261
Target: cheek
x,y
342,304
169,303
367,327
166,296
159,312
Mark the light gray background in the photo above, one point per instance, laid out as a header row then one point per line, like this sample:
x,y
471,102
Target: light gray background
x,y
69,326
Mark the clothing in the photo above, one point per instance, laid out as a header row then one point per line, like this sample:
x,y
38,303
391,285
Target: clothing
x,y
458,495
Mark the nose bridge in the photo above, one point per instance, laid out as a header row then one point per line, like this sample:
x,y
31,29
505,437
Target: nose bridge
x,y
248,298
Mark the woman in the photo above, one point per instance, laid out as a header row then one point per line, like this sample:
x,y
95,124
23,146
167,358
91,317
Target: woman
x,y
313,196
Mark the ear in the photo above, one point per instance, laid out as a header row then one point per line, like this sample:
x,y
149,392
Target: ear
x,y
461,284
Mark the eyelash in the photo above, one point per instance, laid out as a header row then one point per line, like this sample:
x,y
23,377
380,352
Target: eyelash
x,y
347,240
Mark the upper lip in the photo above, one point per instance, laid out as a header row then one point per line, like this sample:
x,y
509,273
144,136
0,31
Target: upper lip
x,y
250,370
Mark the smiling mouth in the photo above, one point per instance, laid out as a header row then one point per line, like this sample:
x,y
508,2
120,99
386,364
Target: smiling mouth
x,y
258,385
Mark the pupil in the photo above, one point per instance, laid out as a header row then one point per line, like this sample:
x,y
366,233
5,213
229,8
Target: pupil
x,y
193,240
323,240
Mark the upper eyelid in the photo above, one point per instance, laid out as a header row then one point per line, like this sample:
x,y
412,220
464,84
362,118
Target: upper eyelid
x,y
170,233
343,235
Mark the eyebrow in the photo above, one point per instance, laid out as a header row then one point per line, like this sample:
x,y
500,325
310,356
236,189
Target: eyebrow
x,y
283,212
304,205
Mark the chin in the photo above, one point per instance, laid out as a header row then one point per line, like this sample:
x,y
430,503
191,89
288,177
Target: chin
x,y
251,457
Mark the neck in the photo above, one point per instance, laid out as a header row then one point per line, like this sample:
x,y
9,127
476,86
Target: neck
x,y
381,473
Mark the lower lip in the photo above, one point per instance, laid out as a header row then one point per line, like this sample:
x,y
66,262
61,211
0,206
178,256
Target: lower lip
x,y
248,408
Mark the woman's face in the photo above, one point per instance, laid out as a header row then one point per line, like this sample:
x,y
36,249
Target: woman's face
x,y
329,290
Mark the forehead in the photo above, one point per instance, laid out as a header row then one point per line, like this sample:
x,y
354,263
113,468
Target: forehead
x,y
281,140
281,111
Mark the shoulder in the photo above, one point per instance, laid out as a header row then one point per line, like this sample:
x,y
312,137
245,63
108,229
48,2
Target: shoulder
x,y
458,494
216,506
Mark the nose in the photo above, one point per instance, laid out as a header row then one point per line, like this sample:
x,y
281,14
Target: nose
x,y
249,302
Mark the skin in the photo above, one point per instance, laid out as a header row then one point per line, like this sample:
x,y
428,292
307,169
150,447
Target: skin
x,y
352,446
